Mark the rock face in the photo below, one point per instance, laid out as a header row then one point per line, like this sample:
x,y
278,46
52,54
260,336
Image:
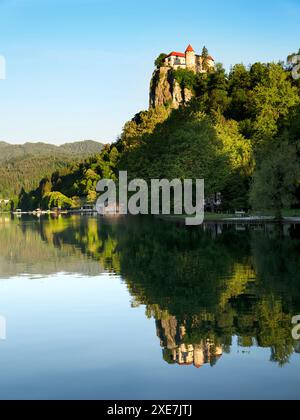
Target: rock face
x,y
166,91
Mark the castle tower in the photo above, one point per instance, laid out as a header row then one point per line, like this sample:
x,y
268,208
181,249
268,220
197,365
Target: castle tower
x,y
190,58
199,357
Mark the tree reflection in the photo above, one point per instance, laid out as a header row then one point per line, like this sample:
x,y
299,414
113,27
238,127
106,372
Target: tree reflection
x,y
203,286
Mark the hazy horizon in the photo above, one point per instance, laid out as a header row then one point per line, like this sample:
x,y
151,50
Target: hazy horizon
x,y
52,142
81,69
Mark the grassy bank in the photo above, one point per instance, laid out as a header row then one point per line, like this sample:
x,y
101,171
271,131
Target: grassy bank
x,y
219,217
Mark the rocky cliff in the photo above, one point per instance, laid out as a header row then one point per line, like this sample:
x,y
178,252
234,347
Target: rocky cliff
x,y
166,91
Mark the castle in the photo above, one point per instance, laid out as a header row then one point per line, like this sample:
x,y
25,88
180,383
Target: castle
x,y
189,60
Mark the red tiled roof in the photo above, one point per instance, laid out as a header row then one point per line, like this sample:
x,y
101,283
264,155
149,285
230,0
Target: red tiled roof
x,y
190,49
176,54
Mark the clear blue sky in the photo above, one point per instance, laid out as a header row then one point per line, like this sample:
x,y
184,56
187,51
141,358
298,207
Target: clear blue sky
x,y
79,69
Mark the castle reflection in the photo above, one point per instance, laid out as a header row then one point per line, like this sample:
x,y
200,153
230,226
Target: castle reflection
x,y
172,336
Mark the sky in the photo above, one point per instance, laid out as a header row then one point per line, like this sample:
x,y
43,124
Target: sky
x,y
79,69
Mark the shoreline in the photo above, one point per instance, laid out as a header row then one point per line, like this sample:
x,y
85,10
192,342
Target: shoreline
x,y
255,220
209,219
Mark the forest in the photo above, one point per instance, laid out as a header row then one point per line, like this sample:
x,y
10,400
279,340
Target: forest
x,y
23,166
240,133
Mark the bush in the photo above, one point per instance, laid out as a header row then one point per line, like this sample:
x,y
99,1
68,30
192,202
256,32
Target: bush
x,y
185,78
56,199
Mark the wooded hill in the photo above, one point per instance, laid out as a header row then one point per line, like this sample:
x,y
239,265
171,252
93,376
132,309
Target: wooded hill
x,y
23,166
240,133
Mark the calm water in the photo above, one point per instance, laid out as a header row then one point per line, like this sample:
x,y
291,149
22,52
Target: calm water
x,y
139,309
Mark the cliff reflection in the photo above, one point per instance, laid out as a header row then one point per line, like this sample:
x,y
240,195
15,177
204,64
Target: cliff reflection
x,y
172,336
203,287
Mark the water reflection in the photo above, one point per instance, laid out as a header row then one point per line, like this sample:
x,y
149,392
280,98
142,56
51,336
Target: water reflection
x,y
203,287
176,350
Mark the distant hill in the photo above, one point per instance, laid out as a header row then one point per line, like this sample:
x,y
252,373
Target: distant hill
x,y
23,166
11,151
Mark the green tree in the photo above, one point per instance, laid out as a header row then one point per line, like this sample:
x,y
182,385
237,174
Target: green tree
x,y
258,74
159,62
275,181
143,123
294,127
186,78
239,152
239,92
57,199
205,59
218,99
184,146
204,52
273,99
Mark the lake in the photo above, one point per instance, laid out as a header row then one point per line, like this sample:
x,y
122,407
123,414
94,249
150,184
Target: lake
x,y
137,308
